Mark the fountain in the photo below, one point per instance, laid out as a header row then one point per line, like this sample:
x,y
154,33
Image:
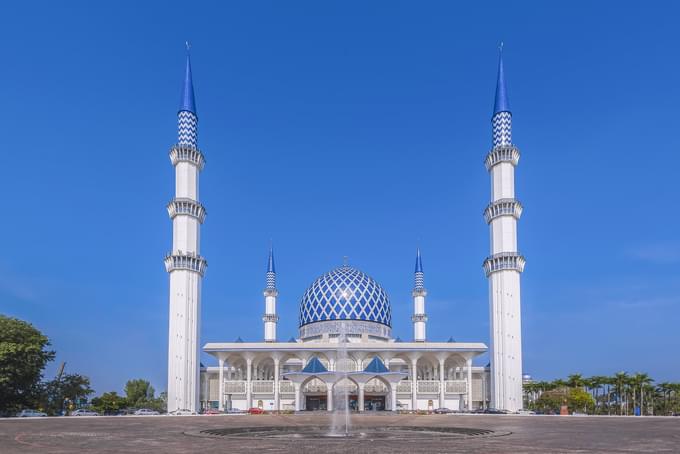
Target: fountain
x,y
340,424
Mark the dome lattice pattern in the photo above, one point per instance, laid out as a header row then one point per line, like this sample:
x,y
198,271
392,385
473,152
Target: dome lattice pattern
x,y
345,294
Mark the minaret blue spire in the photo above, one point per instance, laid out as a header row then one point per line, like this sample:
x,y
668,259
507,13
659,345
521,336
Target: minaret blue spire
x,y
271,270
187,121
502,117
187,102
419,275
501,104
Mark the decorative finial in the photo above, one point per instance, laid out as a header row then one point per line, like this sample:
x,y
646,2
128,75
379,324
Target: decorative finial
x,y
500,47
345,260
187,44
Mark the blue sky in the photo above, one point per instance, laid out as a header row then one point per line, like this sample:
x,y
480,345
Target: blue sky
x,y
343,128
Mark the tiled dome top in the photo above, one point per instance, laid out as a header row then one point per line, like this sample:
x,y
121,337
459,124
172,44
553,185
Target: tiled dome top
x,y
345,293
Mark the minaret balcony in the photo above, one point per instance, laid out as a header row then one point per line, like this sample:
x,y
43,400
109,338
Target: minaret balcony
x,y
273,318
504,261
189,261
419,292
271,292
503,153
419,318
188,207
503,207
187,153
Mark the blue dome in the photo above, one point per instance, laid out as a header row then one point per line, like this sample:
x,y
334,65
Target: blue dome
x,y
345,294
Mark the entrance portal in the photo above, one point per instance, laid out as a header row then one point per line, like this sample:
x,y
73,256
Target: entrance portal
x,y
374,403
315,403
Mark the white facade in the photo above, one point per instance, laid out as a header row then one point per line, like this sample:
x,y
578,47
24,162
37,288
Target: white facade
x,y
263,375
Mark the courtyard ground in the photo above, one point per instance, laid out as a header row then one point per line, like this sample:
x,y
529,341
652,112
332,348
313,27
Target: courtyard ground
x,y
180,434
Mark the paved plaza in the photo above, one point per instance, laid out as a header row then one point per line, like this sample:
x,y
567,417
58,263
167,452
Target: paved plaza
x,y
514,434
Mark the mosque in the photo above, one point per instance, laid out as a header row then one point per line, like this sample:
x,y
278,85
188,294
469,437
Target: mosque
x,y
345,345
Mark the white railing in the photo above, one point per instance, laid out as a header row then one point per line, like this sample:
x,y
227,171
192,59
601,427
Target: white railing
x,y
404,387
316,388
262,386
428,386
235,387
455,387
375,388
286,387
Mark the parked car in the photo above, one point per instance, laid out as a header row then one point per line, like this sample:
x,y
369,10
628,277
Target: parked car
x,y
146,412
182,413
211,411
30,413
526,412
84,412
495,411
256,411
442,411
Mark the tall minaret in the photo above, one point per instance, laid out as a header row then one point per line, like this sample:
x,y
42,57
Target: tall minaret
x,y
504,265
419,293
184,263
270,293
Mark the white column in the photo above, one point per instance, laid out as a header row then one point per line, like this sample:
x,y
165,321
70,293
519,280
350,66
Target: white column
x,y
442,383
249,378
221,385
277,400
393,391
298,398
468,363
329,397
414,383
361,395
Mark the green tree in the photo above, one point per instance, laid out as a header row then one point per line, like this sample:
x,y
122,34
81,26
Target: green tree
x,y
139,392
551,401
71,386
24,353
578,398
109,403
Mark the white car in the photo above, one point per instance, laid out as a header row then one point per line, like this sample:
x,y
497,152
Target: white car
x,y
84,412
146,412
30,414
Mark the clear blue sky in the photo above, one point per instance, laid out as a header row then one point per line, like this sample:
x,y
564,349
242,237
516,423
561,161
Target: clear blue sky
x,y
343,128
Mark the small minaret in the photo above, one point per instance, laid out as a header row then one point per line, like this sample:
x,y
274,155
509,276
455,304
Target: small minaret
x,y
270,293
184,263
504,265
419,293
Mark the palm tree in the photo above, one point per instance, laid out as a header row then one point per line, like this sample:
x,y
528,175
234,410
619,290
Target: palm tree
x,y
665,389
575,381
620,382
638,382
595,383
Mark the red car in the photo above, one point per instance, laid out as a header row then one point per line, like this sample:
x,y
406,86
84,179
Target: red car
x,y
255,411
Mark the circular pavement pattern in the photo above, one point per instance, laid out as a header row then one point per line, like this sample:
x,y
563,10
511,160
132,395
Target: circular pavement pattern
x,y
362,433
